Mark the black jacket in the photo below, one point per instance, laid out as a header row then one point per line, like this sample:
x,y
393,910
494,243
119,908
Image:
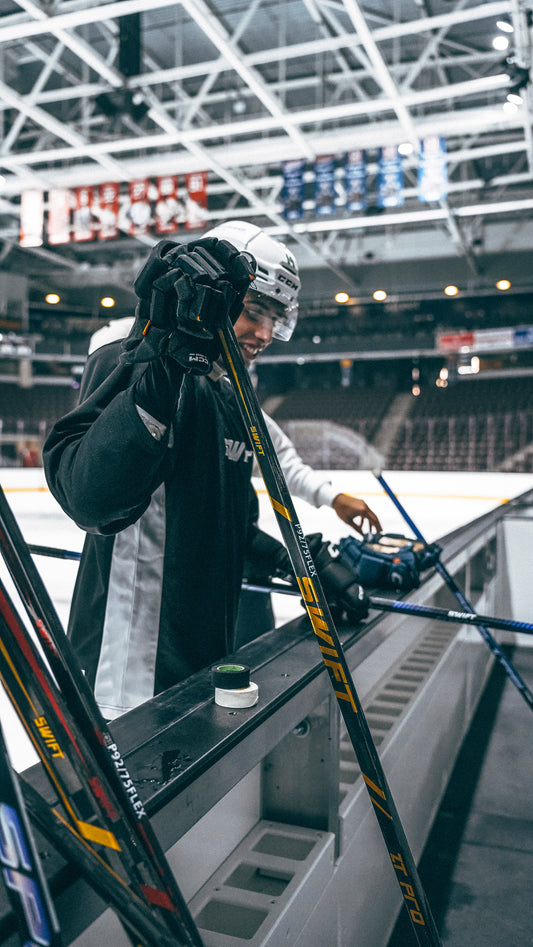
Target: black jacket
x,y
169,524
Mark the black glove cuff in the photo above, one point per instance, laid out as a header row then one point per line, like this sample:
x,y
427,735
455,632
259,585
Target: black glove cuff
x,y
157,390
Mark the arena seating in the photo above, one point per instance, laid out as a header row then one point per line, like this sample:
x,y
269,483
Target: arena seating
x,y
26,416
479,424
474,424
361,409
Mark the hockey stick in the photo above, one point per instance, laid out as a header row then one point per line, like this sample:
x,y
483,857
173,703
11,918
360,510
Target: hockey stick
x,y
67,762
111,887
22,872
507,665
411,608
422,922
139,838
53,552
381,604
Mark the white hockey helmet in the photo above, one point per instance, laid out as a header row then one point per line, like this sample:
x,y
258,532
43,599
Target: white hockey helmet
x,y
277,270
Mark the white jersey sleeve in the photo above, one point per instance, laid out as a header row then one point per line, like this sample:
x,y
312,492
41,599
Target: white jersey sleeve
x,y
302,480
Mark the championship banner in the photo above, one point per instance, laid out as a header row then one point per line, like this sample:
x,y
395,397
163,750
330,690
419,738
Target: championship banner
x,y
107,211
390,177
59,201
168,213
31,218
324,185
432,169
292,192
355,181
139,212
82,216
196,201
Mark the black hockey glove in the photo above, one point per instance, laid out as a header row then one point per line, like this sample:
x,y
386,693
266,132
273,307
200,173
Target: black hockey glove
x,y
186,292
267,556
338,581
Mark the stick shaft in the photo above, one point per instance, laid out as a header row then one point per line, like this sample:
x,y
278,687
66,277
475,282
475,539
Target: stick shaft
x,y
443,614
506,664
422,922
412,608
382,604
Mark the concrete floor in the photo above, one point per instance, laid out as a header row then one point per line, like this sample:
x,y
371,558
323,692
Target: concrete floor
x,y
478,862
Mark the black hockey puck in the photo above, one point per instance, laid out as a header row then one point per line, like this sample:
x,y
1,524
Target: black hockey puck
x,y
231,676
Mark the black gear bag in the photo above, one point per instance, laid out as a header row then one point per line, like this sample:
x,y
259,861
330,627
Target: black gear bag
x,y
387,560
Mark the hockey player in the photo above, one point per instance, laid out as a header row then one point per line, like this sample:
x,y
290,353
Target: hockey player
x,y
302,480
155,465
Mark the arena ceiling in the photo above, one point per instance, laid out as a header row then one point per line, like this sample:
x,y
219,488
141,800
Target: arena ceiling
x,y
236,88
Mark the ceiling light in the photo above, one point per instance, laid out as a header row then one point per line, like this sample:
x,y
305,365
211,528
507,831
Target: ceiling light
x,y
500,42
415,390
342,297
515,98
379,295
503,284
451,290
406,148
52,298
505,26
510,107
107,302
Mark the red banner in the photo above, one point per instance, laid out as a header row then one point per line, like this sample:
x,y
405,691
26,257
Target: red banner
x,y
196,206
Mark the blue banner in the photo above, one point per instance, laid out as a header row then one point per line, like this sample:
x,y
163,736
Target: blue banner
x,y
355,181
523,336
292,192
432,169
324,186
390,177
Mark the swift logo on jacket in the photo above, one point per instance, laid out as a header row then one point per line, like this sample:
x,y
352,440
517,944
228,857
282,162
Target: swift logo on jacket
x,y
237,449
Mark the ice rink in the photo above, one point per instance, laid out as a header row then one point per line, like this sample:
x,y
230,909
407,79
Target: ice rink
x,y
437,502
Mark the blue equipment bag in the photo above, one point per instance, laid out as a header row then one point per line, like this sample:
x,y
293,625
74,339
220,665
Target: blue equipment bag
x,y
387,560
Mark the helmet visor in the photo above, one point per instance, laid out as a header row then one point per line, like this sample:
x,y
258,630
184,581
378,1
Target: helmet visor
x,y
261,307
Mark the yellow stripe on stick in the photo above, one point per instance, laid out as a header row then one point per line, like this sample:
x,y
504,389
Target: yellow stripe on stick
x,y
95,834
281,509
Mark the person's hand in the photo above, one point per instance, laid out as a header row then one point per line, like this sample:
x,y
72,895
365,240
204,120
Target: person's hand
x,y
355,513
186,293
